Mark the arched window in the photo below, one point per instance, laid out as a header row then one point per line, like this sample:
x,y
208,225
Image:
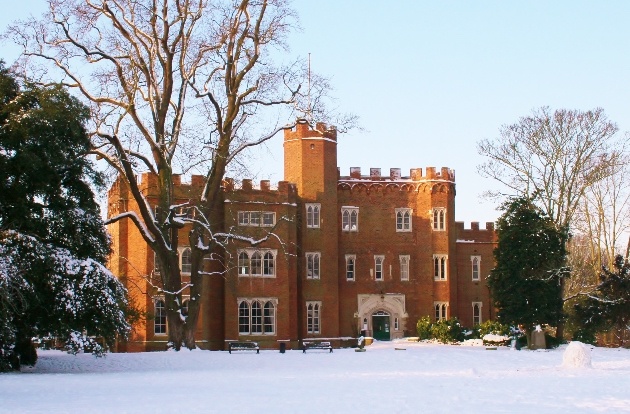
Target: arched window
x,y
403,219
159,324
312,317
312,265
439,266
354,220
350,267
268,264
378,267
475,267
269,322
243,318
350,219
404,267
345,220
256,264
186,260
312,215
156,264
243,264
439,219
440,311
257,318
476,313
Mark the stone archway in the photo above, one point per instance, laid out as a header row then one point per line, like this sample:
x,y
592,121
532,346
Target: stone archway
x,y
387,307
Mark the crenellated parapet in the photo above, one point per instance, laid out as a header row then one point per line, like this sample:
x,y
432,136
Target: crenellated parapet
x,y
475,234
431,181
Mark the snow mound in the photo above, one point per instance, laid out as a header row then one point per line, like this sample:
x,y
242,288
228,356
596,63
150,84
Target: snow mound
x,y
577,355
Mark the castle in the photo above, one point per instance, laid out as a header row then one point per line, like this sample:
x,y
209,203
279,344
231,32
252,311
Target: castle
x,y
358,254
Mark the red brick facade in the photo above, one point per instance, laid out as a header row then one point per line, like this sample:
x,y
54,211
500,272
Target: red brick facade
x,y
354,253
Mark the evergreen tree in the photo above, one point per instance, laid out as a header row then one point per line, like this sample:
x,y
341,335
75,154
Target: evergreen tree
x,y
530,264
52,240
609,306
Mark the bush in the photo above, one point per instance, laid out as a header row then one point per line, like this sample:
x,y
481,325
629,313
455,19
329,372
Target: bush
x,y
585,336
493,328
447,331
424,328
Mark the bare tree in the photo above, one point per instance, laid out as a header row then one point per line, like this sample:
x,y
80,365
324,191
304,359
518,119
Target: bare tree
x,y
554,157
156,72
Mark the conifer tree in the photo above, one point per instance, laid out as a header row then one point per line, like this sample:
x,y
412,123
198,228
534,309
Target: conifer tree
x,y
530,263
609,306
52,240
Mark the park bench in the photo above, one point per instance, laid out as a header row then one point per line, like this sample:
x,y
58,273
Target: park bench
x,y
243,346
315,345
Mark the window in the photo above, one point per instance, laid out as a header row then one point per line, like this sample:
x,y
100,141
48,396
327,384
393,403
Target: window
x,y
404,267
396,324
403,219
186,260
312,215
476,313
257,263
257,316
439,266
350,261
350,218
440,311
256,218
184,309
378,267
243,318
312,265
269,318
313,317
439,219
187,212
475,261
159,324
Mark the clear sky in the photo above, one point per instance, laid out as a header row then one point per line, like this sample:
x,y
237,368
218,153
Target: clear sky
x,y
429,79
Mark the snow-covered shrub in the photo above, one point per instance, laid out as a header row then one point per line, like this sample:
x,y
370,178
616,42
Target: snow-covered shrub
x,y
447,331
577,355
496,340
424,328
494,328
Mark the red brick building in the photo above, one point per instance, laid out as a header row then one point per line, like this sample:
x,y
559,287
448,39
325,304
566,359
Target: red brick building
x,y
354,253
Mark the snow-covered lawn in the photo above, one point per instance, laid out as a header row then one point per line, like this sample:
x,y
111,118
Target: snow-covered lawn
x,y
420,378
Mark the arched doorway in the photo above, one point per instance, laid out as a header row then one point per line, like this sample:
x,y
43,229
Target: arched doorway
x,y
381,326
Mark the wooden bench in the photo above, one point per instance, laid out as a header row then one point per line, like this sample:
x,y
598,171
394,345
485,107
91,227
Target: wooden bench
x,y
315,345
243,346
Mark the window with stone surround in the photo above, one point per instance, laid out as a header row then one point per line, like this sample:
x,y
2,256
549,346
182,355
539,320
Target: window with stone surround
x,y
256,218
475,262
440,262
439,266
257,316
403,219
439,219
350,266
378,267
186,262
257,262
350,218
312,265
404,267
477,313
441,311
159,323
313,319
312,215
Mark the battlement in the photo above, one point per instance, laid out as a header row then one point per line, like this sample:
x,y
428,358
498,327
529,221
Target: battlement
x,y
282,187
303,130
415,174
475,234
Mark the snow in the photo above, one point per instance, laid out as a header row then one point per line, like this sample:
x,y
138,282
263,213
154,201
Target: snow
x,y
390,377
577,355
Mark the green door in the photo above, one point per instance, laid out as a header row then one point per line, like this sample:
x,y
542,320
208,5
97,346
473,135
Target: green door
x,y
380,326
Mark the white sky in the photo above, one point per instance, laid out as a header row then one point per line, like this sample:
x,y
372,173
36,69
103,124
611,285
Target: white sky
x,y
430,79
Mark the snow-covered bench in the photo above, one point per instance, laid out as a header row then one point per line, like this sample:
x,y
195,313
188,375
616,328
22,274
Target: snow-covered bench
x,y
316,345
243,346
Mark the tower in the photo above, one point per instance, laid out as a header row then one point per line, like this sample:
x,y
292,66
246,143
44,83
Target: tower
x,y
310,161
